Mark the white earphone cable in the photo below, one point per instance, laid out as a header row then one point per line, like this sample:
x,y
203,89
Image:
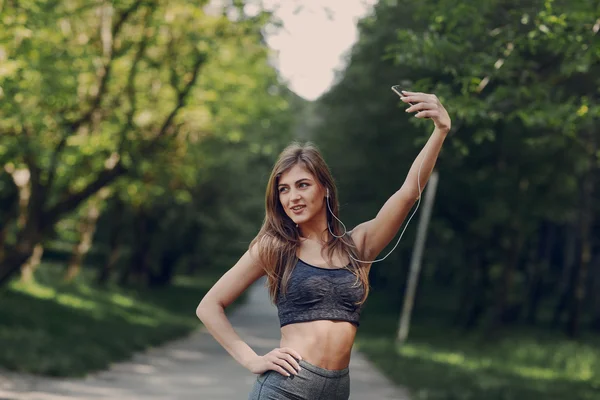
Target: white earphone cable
x,y
401,234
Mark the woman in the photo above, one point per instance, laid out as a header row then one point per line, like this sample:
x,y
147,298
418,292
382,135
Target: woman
x,y
317,274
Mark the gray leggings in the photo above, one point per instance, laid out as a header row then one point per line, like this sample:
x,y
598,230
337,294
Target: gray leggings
x,y
311,383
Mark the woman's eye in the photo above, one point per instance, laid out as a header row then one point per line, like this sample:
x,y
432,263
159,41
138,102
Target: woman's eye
x,y
306,184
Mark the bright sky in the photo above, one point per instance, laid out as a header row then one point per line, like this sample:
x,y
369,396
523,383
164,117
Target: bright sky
x,y
315,35
312,40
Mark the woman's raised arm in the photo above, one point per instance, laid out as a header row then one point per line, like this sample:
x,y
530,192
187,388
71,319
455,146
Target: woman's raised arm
x,y
377,233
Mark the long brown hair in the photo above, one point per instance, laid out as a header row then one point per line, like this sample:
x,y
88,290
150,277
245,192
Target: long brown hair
x,y
279,238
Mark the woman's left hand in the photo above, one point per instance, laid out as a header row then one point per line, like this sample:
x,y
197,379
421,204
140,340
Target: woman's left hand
x,y
428,106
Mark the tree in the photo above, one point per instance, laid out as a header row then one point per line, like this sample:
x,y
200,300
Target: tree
x,y
97,92
520,81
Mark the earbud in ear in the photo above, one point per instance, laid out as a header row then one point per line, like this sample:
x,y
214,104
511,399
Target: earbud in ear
x,y
327,192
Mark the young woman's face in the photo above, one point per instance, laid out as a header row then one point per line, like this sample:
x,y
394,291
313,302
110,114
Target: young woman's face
x,y
300,194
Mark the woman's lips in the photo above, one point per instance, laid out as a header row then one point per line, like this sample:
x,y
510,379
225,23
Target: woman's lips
x,y
298,211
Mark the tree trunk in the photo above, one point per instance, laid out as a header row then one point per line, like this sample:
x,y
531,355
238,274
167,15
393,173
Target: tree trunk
x,y
473,301
30,221
11,212
595,324
114,244
503,309
540,268
15,256
566,280
29,267
196,256
195,261
138,269
3,235
111,262
22,179
168,262
582,269
87,228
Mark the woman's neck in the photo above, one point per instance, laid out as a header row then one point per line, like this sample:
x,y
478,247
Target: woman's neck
x,y
321,238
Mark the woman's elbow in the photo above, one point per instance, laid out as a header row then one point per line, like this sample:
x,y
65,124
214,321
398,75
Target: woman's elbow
x,y
205,308
201,310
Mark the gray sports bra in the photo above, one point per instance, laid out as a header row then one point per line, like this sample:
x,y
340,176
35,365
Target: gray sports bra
x,y
316,293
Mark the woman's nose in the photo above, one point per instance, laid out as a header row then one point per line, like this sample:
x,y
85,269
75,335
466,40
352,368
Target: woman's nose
x,y
295,195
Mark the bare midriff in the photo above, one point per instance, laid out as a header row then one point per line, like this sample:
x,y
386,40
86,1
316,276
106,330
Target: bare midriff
x,y
326,344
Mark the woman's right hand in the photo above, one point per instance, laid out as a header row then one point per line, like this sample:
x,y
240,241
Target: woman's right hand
x,y
282,360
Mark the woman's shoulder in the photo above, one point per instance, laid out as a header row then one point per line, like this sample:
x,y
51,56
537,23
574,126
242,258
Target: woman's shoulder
x,y
266,244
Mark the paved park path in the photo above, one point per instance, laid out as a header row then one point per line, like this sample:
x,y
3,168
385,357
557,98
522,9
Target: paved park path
x,y
195,367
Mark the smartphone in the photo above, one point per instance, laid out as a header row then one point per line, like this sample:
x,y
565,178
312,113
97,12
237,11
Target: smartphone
x,y
398,90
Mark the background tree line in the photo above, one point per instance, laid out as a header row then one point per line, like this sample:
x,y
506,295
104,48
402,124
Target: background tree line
x,y
514,232
129,129
127,133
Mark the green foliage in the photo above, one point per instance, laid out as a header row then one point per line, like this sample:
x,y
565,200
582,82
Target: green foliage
x,y
165,106
520,81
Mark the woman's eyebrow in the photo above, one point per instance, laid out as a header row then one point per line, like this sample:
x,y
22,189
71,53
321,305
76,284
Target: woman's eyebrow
x,y
298,181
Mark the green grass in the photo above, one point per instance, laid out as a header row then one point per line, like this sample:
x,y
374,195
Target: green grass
x,y
51,328
443,363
